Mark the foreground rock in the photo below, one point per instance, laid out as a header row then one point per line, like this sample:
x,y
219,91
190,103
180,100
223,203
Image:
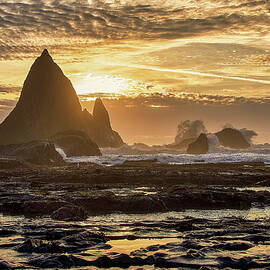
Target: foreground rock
x,y
232,138
231,242
61,261
69,213
36,152
200,146
76,143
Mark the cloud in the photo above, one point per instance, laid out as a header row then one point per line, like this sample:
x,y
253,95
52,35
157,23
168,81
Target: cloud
x,y
56,23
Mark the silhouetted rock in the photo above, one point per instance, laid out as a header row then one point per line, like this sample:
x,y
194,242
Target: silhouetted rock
x,y
200,146
232,138
5,265
76,143
36,152
103,134
183,144
48,105
70,213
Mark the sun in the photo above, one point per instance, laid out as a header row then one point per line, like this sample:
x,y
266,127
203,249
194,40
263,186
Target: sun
x,y
90,83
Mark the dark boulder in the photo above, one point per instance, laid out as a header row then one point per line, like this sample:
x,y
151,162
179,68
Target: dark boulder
x,y
200,146
69,213
232,138
5,265
61,261
40,246
76,143
36,152
41,207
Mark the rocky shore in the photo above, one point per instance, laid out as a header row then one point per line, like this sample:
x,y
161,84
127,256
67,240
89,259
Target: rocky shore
x,y
56,217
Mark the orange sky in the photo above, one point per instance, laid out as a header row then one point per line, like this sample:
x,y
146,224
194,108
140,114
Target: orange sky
x,y
202,56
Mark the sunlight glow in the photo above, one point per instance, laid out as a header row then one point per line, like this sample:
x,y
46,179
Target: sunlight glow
x,y
86,83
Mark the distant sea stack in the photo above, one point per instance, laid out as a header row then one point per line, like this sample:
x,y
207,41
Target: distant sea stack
x,y
232,138
200,146
49,104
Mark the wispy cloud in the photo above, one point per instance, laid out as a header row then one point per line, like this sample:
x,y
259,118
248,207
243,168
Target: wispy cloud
x,y
196,73
32,23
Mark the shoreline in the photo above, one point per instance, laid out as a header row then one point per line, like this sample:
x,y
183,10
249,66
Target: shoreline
x,y
94,217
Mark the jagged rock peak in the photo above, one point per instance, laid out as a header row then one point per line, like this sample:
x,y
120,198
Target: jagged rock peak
x,y
100,114
45,55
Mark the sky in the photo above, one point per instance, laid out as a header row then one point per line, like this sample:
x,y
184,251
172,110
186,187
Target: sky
x,y
154,64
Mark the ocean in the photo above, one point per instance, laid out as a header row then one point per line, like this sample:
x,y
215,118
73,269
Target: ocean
x,y
110,156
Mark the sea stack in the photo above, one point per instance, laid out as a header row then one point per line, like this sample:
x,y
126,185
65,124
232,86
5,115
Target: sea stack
x,y
232,138
200,146
48,104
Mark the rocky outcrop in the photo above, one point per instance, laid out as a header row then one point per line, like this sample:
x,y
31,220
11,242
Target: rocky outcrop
x,y
48,105
182,145
102,132
36,152
76,143
232,138
200,146
69,213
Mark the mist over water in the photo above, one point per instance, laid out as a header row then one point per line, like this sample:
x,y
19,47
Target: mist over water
x,y
189,129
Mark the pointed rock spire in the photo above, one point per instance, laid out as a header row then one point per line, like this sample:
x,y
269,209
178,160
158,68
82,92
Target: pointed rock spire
x,y
45,56
100,114
49,104
45,53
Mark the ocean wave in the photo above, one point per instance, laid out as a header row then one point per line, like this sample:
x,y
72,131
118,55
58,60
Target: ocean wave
x,y
111,157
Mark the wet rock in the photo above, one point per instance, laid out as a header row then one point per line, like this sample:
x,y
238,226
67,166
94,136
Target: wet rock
x,y
119,260
256,238
123,260
39,246
62,261
7,232
185,225
85,239
143,204
29,245
103,262
181,198
190,244
5,265
234,246
69,213
57,234
76,143
36,152
41,207
242,263
194,254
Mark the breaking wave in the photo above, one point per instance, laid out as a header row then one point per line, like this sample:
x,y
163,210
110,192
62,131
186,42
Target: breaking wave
x,y
258,153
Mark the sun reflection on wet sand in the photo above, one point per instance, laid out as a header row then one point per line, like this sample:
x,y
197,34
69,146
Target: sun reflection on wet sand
x,y
128,246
